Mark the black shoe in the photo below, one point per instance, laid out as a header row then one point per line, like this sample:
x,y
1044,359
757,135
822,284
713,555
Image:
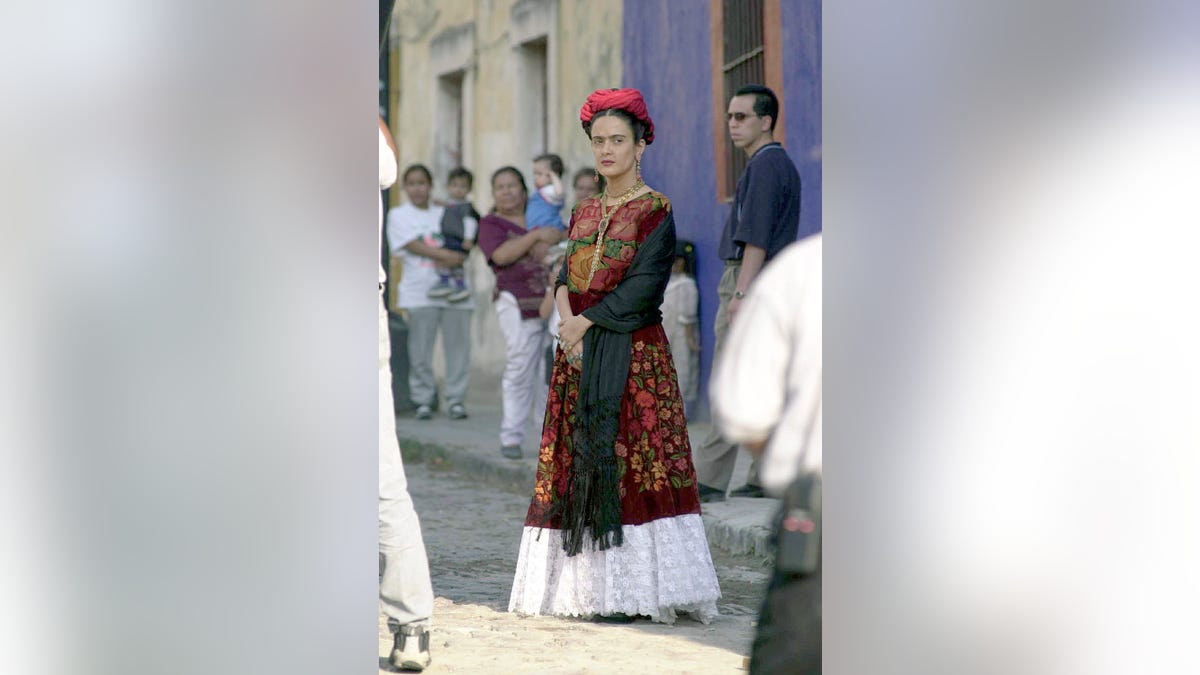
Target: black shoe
x,y
748,490
511,451
410,651
710,494
618,617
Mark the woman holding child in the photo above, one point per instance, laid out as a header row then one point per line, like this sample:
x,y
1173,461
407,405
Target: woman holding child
x,y
614,527
515,252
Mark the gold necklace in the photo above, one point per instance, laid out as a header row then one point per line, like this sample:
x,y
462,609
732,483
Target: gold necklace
x,y
605,216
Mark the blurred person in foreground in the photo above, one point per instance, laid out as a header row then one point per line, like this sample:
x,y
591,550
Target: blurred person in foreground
x,y
767,396
515,253
614,530
765,218
405,590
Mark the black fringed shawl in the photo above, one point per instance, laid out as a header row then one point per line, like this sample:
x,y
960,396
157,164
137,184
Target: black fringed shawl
x,y
593,501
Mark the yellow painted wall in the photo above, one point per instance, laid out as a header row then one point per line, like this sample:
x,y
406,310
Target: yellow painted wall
x,y
591,59
585,47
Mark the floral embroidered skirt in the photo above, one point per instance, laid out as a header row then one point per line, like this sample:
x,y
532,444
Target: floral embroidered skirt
x,y
664,565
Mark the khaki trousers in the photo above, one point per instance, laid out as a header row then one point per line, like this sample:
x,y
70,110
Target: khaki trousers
x,y
405,591
716,457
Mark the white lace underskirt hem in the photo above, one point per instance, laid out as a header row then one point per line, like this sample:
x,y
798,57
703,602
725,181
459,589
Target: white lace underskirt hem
x,y
662,568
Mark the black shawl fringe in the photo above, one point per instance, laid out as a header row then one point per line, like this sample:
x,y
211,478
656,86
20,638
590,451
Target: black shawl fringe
x,y
594,502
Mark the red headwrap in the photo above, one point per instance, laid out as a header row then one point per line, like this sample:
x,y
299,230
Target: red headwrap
x,y
629,100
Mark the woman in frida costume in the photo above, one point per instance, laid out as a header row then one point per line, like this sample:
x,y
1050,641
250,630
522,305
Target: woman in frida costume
x,y
614,527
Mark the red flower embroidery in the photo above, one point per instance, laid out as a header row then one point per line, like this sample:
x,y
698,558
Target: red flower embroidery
x,y
649,418
655,440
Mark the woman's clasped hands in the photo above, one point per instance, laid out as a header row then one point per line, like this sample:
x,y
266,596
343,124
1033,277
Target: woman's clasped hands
x,y
570,336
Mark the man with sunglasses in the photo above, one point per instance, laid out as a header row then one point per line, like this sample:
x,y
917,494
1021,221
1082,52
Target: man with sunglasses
x,y
764,219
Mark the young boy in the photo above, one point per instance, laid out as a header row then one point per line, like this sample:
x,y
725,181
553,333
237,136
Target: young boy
x,y
460,224
548,196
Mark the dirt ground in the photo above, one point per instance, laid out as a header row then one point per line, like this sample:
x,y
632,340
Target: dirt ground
x,y
472,533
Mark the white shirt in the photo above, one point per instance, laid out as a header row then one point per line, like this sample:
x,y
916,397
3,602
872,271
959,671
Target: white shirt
x,y
551,195
407,223
387,176
767,383
387,164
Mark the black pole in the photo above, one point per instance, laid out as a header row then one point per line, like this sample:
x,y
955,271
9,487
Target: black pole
x,y
385,18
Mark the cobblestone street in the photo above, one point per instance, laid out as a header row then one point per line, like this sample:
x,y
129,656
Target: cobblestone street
x,y
472,532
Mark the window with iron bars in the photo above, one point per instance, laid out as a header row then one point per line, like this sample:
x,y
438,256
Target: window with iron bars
x,y
743,63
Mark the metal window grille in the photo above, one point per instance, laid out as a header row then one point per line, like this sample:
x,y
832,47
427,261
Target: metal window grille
x,y
743,64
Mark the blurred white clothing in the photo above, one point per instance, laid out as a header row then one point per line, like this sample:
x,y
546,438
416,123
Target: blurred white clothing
x,y
766,386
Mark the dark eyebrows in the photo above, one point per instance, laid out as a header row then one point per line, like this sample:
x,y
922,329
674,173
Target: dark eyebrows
x,y
614,136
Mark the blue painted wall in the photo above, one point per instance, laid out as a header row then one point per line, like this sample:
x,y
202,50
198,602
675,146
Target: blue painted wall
x,y
801,37
667,55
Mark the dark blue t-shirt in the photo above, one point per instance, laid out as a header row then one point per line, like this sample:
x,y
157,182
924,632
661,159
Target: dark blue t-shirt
x,y
766,205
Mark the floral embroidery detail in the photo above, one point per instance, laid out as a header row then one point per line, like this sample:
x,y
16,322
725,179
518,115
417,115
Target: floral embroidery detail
x,y
652,450
626,230
648,418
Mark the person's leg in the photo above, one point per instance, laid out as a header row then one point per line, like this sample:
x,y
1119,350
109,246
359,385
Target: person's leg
x,y
456,344
457,282
405,590
715,457
517,369
442,287
538,384
422,330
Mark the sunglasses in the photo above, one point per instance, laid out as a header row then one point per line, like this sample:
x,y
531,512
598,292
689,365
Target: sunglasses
x,y
740,116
